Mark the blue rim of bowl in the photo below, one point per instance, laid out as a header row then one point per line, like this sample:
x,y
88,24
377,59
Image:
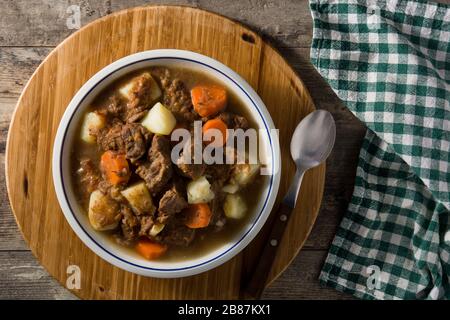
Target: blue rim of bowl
x,y
172,269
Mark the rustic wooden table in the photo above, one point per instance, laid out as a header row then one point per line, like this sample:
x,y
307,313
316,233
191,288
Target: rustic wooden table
x,y
30,29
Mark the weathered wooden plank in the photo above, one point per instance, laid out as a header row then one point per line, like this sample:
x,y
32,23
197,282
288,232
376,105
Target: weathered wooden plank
x,y
21,277
18,64
7,105
43,22
300,280
10,236
286,23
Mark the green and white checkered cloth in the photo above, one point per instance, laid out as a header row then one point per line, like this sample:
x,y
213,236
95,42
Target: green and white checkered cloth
x,y
389,61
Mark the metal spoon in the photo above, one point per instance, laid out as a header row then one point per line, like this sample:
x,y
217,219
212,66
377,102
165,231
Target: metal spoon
x,y
311,144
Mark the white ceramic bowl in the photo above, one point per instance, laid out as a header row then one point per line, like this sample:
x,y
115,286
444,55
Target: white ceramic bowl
x,y
77,218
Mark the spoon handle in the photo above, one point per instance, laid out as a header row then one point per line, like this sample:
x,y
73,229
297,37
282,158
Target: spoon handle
x,y
261,272
258,278
290,199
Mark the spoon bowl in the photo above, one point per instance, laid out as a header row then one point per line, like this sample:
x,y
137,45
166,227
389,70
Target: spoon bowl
x,y
311,144
320,129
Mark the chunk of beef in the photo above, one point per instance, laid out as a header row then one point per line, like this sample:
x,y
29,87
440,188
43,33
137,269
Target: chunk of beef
x,y
140,98
116,194
187,167
175,96
135,139
234,121
130,138
133,226
89,177
192,170
114,191
104,186
110,138
129,224
114,107
146,225
172,202
219,172
157,171
177,235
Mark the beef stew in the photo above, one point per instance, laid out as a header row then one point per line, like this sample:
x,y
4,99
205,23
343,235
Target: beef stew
x,y
131,188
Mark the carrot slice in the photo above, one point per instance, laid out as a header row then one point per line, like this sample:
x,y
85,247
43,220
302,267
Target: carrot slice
x,y
150,250
114,167
218,125
197,215
208,99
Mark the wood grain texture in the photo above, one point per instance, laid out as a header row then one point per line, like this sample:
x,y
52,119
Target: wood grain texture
x,y
43,22
286,22
55,82
22,277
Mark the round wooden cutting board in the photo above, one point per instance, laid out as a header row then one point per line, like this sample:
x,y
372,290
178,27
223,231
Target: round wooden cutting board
x,y
64,71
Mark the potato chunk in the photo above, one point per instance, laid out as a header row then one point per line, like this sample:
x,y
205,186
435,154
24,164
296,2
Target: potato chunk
x,y
127,90
139,198
243,174
159,120
92,122
230,188
157,228
103,211
234,206
199,191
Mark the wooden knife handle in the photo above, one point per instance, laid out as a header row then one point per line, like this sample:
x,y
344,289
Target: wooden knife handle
x,y
258,279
